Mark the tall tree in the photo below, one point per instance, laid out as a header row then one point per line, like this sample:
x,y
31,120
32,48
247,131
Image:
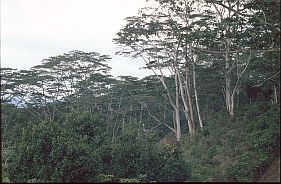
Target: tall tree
x,y
162,37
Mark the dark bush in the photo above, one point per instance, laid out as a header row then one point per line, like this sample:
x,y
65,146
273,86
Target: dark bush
x,y
49,153
136,156
235,149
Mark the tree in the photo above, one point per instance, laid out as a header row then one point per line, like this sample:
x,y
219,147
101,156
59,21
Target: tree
x,y
246,33
161,37
61,78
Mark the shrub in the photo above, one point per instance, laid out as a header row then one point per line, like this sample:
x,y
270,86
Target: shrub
x,y
234,149
262,136
175,168
50,153
105,178
135,157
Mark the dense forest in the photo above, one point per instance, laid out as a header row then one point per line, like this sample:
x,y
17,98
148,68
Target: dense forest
x,y
210,113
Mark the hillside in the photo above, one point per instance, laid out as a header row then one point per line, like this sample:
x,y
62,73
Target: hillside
x,y
272,173
209,113
238,149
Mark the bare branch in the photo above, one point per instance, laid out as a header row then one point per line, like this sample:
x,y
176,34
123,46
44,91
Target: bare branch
x,y
160,123
239,76
164,125
257,85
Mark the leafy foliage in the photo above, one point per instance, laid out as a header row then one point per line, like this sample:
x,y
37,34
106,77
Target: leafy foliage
x,y
48,152
240,149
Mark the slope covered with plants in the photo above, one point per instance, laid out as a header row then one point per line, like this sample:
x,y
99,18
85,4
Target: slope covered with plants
x,y
210,113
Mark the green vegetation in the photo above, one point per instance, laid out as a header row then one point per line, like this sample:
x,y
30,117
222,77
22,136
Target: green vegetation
x,y
235,149
56,153
214,117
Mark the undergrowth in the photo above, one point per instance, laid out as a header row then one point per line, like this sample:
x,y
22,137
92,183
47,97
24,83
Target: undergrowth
x,y
237,148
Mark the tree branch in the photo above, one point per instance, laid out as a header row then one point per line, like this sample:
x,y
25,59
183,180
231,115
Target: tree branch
x,y
160,123
245,15
257,85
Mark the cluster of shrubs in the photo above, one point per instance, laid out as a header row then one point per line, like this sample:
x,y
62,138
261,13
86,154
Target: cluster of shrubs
x,y
235,149
79,150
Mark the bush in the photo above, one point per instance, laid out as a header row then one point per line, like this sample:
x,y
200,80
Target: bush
x,y
262,136
87,124
135,157
234,149
50,153
175,168
105,178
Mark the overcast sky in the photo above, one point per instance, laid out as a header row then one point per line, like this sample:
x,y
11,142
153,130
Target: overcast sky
x,y
32,30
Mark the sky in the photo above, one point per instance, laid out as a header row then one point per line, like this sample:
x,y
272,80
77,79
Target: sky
x,y
32,30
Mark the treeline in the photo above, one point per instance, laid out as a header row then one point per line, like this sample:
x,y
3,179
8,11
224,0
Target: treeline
x,y
69,120
236,43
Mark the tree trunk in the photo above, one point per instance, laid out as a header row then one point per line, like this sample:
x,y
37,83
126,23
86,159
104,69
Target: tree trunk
x,y
109,109
123,121
114,132
131,109
189,97
190,111
196,97
275,94
178,127
231,112
237,101
177,111
176,106
186,102
164,116
141,109
229,100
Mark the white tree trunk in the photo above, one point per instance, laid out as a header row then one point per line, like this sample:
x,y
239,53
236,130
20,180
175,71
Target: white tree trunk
x,y
196,97
177,111
186,102
229,99
176,105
